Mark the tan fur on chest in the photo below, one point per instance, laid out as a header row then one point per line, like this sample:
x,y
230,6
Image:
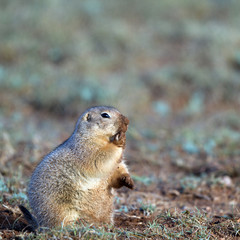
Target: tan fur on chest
x,y
112,158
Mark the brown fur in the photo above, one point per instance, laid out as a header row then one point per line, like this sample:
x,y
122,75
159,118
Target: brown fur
x,y
76,180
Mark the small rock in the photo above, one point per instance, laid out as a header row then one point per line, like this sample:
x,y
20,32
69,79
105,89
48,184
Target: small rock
x,y
174,192
233,203
226,181
201,196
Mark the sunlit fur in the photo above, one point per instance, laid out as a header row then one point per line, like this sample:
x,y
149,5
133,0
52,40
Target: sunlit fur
x,y
76,180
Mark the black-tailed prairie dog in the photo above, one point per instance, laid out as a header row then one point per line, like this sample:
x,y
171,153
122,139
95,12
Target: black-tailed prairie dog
x,y
77,179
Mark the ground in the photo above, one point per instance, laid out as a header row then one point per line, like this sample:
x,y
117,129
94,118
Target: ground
x,y
172,67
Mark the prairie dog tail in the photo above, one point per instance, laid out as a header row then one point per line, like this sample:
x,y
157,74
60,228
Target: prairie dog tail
x,y
32,221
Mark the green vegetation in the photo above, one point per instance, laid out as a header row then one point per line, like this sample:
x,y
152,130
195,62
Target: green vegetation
x,y
173,67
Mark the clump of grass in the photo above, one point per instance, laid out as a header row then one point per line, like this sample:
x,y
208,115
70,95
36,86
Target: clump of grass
x,y
192,225
190,182
13,188
166,225
3,186
147,209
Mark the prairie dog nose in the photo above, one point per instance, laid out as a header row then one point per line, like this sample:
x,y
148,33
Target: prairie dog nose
x,y
124,124
125,120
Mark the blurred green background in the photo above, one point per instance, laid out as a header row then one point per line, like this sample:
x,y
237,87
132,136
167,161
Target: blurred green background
x,y
173,67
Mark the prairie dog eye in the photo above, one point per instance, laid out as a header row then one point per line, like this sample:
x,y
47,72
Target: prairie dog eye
x,y
105,115
89,117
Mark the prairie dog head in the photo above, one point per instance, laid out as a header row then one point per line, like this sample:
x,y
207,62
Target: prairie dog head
x,y
105,123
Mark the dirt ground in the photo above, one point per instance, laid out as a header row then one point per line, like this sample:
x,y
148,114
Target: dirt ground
x,y
172,67
168,192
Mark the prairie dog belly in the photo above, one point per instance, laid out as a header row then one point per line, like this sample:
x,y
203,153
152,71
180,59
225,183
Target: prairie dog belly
x,y
95,202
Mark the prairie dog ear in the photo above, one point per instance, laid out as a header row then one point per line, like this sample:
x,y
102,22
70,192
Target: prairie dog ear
x,y
87,117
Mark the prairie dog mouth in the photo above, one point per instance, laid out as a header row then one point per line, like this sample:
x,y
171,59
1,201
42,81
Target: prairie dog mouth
x,y
116,137
120,135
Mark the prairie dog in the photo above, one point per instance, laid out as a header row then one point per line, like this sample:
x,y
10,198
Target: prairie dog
x,y
77,179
